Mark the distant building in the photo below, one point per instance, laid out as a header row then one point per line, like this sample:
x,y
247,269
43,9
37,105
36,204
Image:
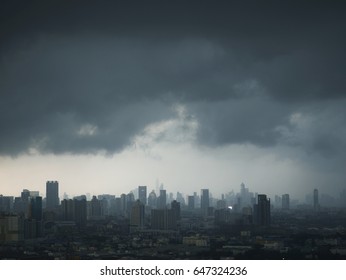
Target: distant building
x,y
191,202
35,208
285,201
11,228
316,201
163,219
137,216
204,202
262,210
95,212
52,194
152,199
162,200
175,206
204,198
142,194
6,203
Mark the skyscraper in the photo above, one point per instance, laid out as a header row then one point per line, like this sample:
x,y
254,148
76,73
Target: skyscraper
x,y
162,200
262,210
35,208
137,216
152,199
316,203
142,194
285,201
175,206
204,198
191,202
52,194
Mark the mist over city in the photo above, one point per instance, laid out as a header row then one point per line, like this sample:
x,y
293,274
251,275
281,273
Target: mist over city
x,y
240,98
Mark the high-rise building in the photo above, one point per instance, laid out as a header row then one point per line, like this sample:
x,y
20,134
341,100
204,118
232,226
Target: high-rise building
x,y
204,198
142,194
80,211
163,219
180,199
152,199
175,206
262,210
137,216
95,212
162,200
35,208
67,209
285,201
316,202
6,203
191,202
52,194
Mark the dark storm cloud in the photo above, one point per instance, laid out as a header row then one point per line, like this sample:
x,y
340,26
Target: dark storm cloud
x,y
83,76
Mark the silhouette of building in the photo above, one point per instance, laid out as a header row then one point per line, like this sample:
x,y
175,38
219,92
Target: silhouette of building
x,y
162,200
285,201
142,194
52,194
175,206
95,212
262,210
137,216
163,219
152,199
11,228
80,211
67,209
204,198
35,208
180,199
6,203
316,201
191,202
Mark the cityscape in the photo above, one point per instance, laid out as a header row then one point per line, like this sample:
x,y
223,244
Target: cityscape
x,y
144,224
172,130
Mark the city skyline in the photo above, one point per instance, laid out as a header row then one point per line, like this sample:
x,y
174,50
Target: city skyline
x,y
104,97
203,198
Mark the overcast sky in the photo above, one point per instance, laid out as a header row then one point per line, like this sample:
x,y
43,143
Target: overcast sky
x,y
104,96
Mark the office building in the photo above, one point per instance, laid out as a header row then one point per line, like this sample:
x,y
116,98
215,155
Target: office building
x,y
137,216
52,195
285,201
163,219
262,210
191,202
204,198
175,206
162,200
152,199
316,201
142,194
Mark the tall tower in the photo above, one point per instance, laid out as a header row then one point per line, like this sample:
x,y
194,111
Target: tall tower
x,y
204,198
175,206
162,201
142,194
262,210
152,199
35,208
316,203
137,216
191,202
285,201
52,194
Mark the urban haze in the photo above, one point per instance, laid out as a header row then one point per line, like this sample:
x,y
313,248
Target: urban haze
x,y
237,106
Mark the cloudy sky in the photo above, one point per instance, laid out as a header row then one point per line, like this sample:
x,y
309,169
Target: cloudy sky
x,y
104,96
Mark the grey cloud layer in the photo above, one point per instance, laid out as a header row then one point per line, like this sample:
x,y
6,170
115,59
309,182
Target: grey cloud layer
x,y
85,77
